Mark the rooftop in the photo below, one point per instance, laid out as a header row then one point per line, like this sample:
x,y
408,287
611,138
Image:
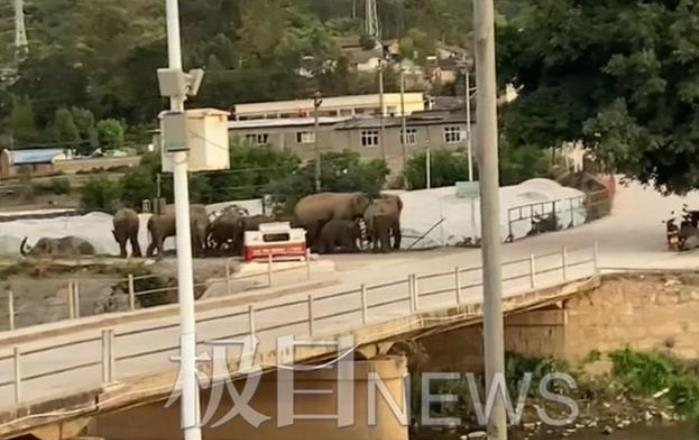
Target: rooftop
x,y
32,156
286,122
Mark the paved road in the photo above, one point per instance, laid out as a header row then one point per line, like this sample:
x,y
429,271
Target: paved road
x,y
631,237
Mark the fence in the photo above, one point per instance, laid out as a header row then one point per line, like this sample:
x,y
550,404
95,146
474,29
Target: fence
x,y
302,317
589,207
146,296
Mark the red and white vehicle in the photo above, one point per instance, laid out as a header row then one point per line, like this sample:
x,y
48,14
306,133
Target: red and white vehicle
x,y
279,240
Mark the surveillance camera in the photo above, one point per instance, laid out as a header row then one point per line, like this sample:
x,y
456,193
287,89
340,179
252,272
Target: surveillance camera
x,y
196,76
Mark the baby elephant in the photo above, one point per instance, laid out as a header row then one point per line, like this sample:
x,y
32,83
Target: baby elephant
x,y
339,235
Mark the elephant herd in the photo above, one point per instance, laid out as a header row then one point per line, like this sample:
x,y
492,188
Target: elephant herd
x,y
334,222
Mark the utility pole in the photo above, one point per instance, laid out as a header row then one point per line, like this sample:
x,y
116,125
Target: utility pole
x,y
404,135
317,101
469,138
185,284
381,109
21,43
486,115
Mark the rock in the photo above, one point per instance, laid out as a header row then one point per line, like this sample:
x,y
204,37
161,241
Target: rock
x,y
672,282
608,430
647,416
529,426
477,435
665,416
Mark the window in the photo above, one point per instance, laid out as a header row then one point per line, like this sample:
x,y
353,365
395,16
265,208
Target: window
x,y
257,138
411,136
305,137
370,138
452,134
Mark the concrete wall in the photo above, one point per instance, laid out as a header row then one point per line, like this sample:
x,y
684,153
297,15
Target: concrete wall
x,y
75,165
647,314
154,422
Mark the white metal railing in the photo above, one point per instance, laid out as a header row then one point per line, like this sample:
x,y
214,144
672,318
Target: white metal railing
x,y
72,306
353,308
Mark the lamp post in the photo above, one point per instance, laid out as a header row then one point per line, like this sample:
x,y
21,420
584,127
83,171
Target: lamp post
x,y
403,138
381,107
467,96
317,102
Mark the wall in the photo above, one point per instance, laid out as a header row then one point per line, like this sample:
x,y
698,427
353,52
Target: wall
x,y
73,166
138,423
646,313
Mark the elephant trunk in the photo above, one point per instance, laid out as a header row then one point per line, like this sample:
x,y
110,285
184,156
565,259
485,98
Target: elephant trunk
x,y
23,247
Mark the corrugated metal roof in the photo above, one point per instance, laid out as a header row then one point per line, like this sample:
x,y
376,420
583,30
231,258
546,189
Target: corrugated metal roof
x,y
44,155
285,122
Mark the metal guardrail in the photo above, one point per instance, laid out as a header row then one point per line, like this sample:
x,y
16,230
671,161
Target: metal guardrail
x,y
73,288
367,299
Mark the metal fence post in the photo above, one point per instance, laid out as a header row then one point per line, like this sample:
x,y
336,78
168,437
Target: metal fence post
x,y
509,223
251,319
595,257
107,355
457,284
71,300
269,270
11,309
76,298
229,288
365,311
564,263
17,372
132,293
532,270
310,315
411,296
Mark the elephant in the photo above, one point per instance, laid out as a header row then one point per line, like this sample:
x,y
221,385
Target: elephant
x,y
314,211
382,219
69,246
163,225
126,224
225,229
342,234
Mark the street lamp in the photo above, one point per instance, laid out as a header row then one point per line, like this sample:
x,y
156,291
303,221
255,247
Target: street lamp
x,y
317,101
467,66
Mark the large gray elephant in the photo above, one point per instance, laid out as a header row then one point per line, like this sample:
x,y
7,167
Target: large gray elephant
x,y
314,211
126,224
225,230
69,246
337,235
382,219
163,226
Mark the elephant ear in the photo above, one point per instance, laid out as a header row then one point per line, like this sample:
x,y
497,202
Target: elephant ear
x,y
360,203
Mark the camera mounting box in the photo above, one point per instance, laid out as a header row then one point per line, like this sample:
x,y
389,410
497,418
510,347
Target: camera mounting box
x,y
206,140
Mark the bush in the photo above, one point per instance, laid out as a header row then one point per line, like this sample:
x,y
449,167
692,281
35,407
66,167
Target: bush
x,y
56,186
110,133
447,168
100,193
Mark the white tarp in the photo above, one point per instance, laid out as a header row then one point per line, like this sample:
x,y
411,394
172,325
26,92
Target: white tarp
x,y
424,210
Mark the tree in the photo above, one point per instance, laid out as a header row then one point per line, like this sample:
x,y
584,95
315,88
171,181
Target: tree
x,y
447,168
22,121
110,133
621,77
64,130
100,193
85,123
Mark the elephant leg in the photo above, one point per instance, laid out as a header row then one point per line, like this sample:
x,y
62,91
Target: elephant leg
x,y
397,237
135,247
151,247
122,249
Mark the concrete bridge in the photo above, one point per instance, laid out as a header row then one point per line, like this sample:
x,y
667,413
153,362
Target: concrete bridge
x,y
52,379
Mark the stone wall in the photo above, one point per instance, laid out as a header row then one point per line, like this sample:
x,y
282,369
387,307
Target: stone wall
x,y
646,313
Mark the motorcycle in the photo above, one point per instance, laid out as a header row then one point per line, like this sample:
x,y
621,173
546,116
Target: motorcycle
x,y
672,234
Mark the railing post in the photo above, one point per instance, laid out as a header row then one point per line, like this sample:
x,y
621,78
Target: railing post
x,y
76,299
11,309
310,315
572,218
71,300
532,270
251,319
365,311
564,263
414,292
509,224
229,288
17,373
411,295
132,293
595,257
107,356
269,269
457,284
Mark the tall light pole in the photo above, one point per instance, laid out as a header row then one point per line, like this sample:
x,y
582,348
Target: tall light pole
x,y
403,138
381,107
469,138
487,130
185,284
317,101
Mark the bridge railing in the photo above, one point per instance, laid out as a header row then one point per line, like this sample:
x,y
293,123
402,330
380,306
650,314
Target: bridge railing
x,y
103,354
146,296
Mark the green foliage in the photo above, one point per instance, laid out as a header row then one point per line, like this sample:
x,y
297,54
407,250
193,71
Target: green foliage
x,y
521,163
100,193
447,167
137,185
57,186
417,45
22,120
85,123
110,133
619,76
516,366
64,130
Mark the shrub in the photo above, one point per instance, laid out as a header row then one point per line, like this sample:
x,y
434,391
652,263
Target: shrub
x,y
100,193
